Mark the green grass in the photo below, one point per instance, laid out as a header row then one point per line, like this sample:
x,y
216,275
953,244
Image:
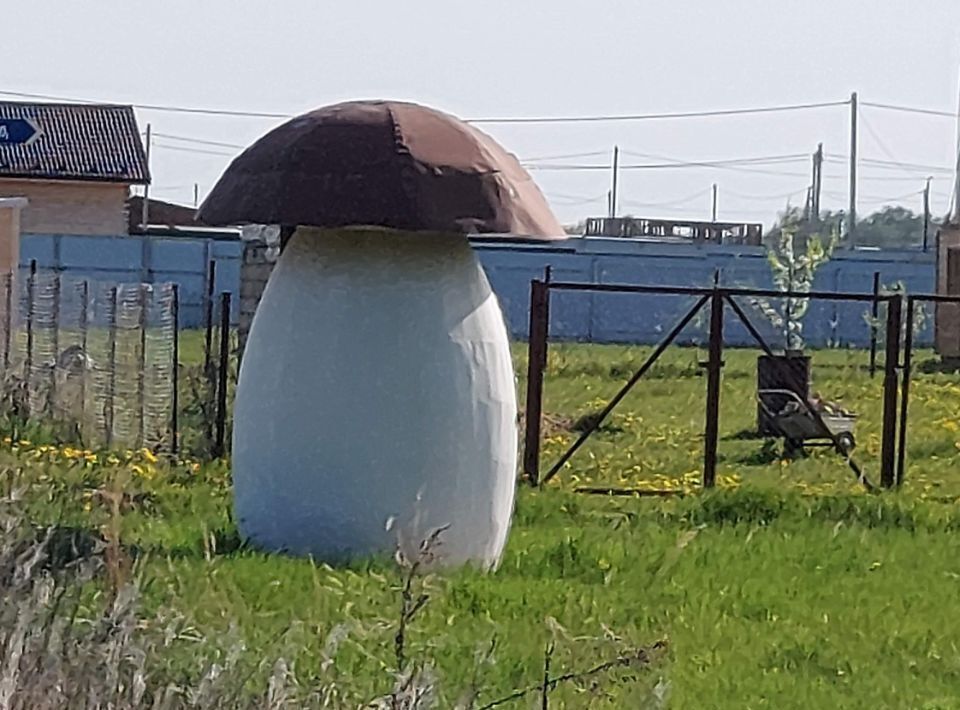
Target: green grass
x,y
788,587
655,436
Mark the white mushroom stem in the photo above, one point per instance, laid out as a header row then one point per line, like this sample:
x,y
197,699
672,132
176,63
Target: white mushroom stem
x,y
376,392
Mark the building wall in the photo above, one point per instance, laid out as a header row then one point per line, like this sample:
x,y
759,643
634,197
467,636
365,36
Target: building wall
x,y
257,263
70,207
948,314
9,255
9,238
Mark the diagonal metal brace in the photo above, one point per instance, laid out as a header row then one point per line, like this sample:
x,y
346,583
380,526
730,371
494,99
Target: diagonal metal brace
x,y
598,420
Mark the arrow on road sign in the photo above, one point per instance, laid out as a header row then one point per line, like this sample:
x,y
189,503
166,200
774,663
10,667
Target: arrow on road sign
x,y
18,131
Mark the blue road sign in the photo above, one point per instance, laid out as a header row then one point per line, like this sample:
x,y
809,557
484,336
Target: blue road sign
x,y
18,131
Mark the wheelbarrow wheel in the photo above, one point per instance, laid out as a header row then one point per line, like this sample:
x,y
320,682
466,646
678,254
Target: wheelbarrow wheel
x,y
845,443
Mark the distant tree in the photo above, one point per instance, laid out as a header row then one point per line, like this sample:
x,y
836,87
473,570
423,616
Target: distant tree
x,y
892,227
793,269
576,229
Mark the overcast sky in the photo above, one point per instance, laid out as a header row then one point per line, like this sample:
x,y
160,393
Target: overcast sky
x,y
501,58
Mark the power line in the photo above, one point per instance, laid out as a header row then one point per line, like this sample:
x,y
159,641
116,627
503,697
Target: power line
x,y
789,157
568,156
659,116
736,164
674,163
574,200
578,168
518,119
880,163
780,196
909,109
668,203
904,166
915,168
154,107
874,198
874,178
198,141
524,119
184,149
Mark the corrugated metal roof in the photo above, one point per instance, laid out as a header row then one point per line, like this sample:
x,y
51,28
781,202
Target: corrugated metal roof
x,y
76,142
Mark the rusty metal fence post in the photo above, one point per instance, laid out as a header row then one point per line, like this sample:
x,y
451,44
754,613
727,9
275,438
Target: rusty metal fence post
x,y
109,408
223,371
209,374
905,391
208,318
142,369
175,373
10,320
888,443
84,326
31,298
874,316
55,337
714,368
536,366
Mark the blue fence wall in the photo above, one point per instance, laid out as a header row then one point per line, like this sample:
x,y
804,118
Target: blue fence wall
x,y
606,317
151,259
510,268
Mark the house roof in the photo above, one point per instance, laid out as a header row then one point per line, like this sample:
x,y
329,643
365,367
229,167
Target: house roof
x,y
73,142
167,214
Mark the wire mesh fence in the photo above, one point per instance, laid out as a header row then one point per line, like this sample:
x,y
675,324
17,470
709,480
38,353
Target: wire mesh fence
x,y
94,358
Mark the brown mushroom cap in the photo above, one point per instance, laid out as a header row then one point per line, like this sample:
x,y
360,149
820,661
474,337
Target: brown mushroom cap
x,y
381,163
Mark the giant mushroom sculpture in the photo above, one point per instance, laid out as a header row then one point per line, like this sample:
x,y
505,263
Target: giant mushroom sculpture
x,y
376,400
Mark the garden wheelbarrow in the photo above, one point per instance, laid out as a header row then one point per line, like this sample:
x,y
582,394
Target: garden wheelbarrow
x,y
796,418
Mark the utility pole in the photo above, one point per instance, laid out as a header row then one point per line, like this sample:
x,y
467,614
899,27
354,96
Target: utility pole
x,y
817,183
852,210
613,188
926,212
145,207
955,212
713,210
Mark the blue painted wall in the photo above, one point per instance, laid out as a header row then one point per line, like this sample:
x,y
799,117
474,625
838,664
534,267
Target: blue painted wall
x,y
604,317
510,267
151,259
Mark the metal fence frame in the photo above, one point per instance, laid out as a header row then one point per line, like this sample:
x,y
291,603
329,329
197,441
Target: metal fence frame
x,y
907,371
891,456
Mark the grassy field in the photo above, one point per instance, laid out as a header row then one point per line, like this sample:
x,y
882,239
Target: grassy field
x,y
655,437
789,586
